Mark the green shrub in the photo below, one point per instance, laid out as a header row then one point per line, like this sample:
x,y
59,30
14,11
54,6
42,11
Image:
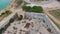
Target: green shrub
x,y
8,12
1,30
11,20
38,9
26,8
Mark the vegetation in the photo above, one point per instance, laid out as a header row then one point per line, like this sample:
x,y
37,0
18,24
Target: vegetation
x,y
1,30
26,8
38,9
11,20
2,13
6,26
20,18
19,2
49,30
55,23
8,12
55,13
5,14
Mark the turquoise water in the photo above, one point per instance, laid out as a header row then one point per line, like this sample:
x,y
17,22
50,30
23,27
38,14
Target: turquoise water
x,y
4,3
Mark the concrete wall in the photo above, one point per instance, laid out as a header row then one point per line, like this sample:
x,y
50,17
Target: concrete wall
x,y
48,22
51,25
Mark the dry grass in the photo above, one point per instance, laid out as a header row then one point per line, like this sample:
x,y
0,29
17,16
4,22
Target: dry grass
x,y
55,13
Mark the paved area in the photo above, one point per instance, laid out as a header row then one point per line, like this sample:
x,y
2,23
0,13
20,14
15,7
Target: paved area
x,y
27,26
51,5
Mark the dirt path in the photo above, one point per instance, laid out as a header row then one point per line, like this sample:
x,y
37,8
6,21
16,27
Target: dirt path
x,y
58,22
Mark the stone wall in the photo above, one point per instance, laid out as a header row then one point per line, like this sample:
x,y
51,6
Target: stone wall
x,y
48,22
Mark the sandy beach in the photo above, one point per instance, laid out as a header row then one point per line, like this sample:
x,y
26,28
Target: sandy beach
x,y
11,4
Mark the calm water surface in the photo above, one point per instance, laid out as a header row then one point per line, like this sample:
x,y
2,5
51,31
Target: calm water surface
x,y
4,3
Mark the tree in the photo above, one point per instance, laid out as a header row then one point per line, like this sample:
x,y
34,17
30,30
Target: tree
x,y
26,8
37,9
40,9
33,10
1,30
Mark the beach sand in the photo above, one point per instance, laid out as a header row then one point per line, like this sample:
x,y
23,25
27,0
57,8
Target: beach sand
x,y
11,4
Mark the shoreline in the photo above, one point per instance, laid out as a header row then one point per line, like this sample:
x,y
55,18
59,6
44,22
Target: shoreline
x,y
11,4
8,7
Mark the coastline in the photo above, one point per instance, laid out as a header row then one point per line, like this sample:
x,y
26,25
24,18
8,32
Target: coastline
x,y
9,6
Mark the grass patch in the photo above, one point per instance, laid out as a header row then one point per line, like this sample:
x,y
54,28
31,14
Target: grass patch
x,y
55,23
5,14
55,13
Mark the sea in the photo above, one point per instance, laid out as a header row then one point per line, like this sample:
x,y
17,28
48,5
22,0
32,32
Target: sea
x,y
4,3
